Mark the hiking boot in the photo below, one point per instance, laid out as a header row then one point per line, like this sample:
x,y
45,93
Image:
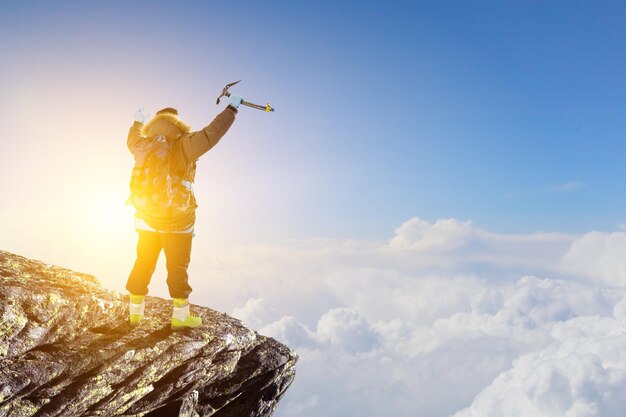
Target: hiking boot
x,y
182,318
136,308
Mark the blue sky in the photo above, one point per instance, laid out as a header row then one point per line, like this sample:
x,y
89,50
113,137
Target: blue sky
x,y
483,110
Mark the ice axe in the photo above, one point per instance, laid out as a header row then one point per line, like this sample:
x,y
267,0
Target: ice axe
x,y
225,93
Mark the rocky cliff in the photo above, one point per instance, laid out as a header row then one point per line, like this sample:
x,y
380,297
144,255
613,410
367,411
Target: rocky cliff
x,y
66,350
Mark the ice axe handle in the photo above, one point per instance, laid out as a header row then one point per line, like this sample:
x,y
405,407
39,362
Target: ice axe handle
x,y
266,108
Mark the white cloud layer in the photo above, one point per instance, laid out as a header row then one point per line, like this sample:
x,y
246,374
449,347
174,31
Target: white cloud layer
x,y
442,319
482,355
580,373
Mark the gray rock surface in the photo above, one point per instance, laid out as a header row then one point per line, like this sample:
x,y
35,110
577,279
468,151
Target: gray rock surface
x,y
66,349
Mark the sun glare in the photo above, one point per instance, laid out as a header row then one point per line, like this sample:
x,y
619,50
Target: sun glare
x,y
108,215
113,216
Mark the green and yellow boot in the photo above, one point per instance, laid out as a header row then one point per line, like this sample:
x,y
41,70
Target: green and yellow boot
x,y
182,318
136,308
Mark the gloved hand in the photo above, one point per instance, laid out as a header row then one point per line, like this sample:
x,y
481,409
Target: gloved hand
x,y
235,101
140,116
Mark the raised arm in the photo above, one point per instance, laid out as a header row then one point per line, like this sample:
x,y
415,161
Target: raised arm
x,y
134,135
196,144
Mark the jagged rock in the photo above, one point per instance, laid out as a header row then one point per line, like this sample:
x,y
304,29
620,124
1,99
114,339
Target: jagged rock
x,y
66,350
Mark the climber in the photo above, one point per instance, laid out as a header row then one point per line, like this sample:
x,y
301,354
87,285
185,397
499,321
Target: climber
x,y
166,152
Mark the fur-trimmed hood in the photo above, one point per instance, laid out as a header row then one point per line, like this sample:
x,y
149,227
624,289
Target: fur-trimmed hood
x,y
167,124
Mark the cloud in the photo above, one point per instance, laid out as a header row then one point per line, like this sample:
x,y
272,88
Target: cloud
x,y
598,256
581,373
444,235
288,330
346,328
441,318
567,186
255,312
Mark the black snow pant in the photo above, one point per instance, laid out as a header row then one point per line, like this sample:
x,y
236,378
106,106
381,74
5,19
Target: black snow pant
x,y
177,247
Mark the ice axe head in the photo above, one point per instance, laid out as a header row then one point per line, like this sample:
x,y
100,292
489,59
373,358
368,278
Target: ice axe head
x,y
225,92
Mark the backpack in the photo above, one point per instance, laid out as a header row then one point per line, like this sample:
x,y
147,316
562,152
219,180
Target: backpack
x,y
157,190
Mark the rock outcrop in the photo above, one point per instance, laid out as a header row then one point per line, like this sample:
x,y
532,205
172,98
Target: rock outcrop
x,y
66,350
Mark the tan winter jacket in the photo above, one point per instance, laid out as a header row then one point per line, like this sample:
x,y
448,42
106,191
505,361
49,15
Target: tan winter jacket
x,y
187,148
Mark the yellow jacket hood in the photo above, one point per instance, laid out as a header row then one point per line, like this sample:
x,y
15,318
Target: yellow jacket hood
x,y
167,124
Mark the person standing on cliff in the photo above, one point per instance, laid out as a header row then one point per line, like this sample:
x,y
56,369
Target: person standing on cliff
x,y
166,152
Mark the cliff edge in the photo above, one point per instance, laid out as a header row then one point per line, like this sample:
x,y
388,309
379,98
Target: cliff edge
x,y
66,350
